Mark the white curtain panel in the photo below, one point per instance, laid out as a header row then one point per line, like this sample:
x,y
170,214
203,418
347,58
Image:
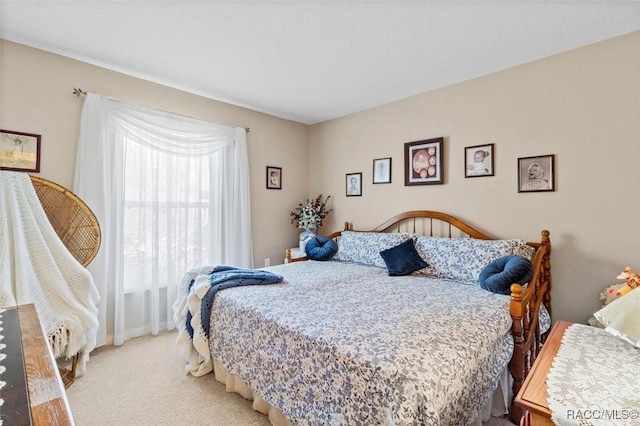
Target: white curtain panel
x,y
171,193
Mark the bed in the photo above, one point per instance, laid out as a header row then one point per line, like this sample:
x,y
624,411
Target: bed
x,y
342,342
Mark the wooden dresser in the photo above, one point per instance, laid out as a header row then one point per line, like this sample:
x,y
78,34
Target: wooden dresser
x,y
532,397
34,393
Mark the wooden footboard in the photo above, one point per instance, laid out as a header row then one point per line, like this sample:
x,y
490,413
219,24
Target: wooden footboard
x,y
525,309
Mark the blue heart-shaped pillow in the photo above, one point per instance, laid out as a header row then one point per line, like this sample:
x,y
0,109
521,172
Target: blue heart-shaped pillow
x,y
500,273
321,248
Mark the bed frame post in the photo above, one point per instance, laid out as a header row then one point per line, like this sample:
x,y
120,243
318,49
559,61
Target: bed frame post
x,y
524,310
546,268
516,365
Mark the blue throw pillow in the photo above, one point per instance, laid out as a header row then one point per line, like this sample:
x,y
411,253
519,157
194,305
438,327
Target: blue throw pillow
x,y
321,248
499,274
403,259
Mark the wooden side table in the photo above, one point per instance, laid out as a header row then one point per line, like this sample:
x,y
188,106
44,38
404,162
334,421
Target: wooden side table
x,y
33,377
294,254
532,397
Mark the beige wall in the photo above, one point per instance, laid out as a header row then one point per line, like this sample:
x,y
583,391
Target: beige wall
x,y
583,106
36,97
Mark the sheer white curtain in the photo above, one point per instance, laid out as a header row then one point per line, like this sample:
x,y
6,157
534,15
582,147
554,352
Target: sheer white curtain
x,y
171,193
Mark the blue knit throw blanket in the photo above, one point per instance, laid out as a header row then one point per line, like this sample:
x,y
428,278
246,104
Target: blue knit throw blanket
x,y
223,277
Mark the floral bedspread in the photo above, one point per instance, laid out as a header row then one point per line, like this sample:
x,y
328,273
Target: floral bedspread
x,y
340,343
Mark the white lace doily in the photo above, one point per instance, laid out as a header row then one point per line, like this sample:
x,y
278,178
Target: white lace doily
x,y
594,379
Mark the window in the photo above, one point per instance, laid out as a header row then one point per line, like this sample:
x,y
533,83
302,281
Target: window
x,y
167,216
171,193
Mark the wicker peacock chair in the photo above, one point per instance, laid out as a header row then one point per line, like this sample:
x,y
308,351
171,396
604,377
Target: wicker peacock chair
x,y
77,227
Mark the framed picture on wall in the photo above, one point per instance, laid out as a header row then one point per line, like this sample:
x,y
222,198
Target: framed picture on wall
x,y
423,162
354,184
19,151
478,160
382,170
536,174
274,177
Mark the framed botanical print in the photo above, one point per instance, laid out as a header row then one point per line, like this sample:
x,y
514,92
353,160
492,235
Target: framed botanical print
x,y
423,162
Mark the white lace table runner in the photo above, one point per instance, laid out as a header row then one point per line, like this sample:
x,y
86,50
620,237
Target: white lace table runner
x,y
594,379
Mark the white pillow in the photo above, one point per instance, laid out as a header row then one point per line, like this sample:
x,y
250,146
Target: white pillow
x,y
365,247
621,317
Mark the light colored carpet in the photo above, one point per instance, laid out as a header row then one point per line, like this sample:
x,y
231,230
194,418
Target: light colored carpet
x,y
143,383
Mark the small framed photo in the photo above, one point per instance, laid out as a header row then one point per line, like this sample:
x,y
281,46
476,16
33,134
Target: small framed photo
x,y
423,162
19,151
274,177
354,184
478,160
382,170
536,174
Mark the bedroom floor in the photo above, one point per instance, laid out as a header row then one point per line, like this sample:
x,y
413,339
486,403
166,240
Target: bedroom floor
x,y
143,383
494,421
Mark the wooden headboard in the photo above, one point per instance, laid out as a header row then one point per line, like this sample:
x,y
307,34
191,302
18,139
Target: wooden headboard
x,y
426,222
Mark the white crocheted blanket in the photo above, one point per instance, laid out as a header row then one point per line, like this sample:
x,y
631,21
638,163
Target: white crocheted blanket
x,y
36,267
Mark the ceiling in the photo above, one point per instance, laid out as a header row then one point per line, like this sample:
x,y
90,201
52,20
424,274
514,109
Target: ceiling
x,y
311,61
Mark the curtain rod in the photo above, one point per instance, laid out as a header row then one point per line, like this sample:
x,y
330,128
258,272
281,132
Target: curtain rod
x,y
79,92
